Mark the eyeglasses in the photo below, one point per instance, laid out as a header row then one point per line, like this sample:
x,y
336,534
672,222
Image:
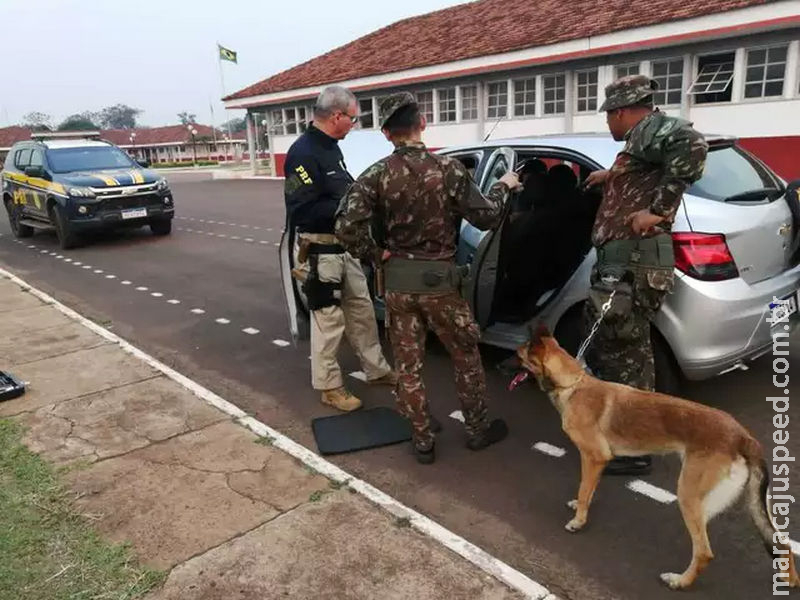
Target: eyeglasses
x,y
353,119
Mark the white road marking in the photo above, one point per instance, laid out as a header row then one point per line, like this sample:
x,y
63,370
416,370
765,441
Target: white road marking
x,y
269,229
156,294
281,343
549,449
249,240
98,271
360,375
173,301
111,276
235,237
491,565
126,282
77,263
651,491
222,321
31,246
142,288
263,242
276,244
59,256
67,260
222,235
251,331
86,267
457,415
45,252
212,222
198,311
52,254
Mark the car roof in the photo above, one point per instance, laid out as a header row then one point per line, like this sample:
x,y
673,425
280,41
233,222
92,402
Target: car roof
x,y
600,147
54,144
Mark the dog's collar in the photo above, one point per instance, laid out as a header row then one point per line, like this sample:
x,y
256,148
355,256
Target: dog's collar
x,y
571,385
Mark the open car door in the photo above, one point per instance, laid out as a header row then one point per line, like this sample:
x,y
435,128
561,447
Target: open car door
x,y
480,294
293,296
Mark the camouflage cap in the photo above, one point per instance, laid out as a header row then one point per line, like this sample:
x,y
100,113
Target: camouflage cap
x,y
391,104
629,90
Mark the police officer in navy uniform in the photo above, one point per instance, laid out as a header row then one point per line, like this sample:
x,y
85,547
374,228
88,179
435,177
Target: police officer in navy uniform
x,y
339,300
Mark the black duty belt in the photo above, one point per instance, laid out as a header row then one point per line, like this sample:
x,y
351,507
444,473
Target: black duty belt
x,y
325,248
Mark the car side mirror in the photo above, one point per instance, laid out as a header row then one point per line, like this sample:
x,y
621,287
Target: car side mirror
x,y
144,163
35,171
793,187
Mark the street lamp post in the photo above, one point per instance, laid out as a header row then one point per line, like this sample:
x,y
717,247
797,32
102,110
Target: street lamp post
x,y
193,132
133,143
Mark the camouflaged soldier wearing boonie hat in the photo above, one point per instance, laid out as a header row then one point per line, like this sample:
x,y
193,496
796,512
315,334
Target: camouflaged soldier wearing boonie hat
x,y
391,104
627,91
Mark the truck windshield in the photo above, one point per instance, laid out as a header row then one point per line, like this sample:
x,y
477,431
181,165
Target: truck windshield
x,y
66,160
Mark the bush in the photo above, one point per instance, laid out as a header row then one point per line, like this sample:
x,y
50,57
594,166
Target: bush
x,y
172,165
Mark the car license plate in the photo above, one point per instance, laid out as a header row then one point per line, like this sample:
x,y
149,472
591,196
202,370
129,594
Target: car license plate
x,y
788,305
134,213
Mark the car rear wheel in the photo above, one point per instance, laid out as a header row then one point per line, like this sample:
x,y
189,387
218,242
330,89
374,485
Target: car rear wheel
x,y
67,238
14,216
163,227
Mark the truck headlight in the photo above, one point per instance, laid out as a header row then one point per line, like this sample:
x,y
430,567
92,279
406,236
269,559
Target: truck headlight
x,y
81,192
162,185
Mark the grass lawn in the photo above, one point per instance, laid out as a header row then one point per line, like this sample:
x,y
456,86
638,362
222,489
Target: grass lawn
x,y
48,551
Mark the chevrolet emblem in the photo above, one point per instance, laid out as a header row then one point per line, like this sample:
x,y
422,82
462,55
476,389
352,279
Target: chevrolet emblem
x,y
785,229
128,191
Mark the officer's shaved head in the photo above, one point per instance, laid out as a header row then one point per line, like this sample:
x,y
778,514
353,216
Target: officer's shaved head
x,y
332,99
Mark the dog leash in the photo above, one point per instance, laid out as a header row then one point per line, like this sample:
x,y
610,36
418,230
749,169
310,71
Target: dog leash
x,y
585,345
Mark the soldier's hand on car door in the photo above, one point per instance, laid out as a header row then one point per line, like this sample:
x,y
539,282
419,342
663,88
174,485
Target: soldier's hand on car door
x,y
643,221
595,178
511,179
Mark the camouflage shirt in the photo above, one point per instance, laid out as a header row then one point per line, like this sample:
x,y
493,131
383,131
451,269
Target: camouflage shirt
x,y
662,157
414,201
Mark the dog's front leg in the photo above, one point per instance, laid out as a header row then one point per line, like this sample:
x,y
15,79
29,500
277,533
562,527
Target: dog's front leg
x,y
591,471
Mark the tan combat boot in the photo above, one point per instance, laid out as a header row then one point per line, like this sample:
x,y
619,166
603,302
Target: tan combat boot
x,y
389,379
342,399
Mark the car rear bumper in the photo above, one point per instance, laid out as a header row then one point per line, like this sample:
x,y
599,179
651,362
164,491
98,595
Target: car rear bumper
x,y
722,323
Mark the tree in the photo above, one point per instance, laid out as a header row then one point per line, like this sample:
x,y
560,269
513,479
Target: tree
x,y
120,116
187,118
235,125
84,121
37,121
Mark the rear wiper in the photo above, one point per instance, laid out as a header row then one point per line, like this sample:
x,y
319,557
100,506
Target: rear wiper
x,y
758,194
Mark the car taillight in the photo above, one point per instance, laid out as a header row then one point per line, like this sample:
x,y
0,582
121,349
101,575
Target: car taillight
x,y
704,256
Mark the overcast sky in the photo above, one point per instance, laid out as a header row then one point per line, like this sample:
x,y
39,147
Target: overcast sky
x,y
68,56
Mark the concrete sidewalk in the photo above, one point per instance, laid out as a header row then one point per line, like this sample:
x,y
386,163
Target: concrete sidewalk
x,y
225,511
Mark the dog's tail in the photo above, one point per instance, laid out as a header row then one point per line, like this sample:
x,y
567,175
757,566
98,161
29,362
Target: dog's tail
x,y
759,506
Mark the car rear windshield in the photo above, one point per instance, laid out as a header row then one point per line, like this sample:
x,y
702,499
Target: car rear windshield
x,y
65,160
731,173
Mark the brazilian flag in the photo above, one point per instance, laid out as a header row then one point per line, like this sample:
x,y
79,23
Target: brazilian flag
x,y
225,54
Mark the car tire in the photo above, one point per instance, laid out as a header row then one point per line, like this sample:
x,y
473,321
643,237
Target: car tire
x,y
14,215
161,227
67,238
669,378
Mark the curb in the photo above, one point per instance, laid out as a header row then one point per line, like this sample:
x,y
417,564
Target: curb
x,y
501,571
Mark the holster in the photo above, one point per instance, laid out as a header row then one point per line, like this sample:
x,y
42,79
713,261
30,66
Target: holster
x,y
423,276
320,294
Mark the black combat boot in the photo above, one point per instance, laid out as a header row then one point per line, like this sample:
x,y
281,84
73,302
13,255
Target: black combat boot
x,y
497,431
629,465
424,457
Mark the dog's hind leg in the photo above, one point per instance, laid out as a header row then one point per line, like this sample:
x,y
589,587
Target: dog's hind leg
x,y
591,469
701,474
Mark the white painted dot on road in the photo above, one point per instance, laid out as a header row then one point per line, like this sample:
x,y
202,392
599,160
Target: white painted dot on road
x,y
198,311
651,491
77,263
245,226
98,271
212,222
249,240
276,244
86,267
235,237
59,256
67,260
549,449
263,242
157,294
173,301
52,254
111,276
251,330
281,343
125,282
222,321
31,246
45,252
360,375
222,235
142,288
269,229
457,415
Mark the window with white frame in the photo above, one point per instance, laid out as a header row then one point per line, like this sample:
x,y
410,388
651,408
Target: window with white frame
x,y
469,102
669,76
555,93
766,69
365,120
447,104
625,70
497,100
277,122
525,97
291,121
302,123
714,77
425,103
586,91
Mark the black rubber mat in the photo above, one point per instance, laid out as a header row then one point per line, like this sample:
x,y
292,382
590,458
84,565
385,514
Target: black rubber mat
x,y
360,430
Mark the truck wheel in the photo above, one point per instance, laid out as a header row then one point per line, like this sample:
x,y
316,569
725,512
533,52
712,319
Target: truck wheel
x,y
67,238
14,216
163,227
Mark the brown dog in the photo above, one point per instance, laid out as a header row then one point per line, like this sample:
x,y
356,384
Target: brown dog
x,y
720,457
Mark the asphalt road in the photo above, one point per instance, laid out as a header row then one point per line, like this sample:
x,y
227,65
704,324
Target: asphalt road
x,y
207,300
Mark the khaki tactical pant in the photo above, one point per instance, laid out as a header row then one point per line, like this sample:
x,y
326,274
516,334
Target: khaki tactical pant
x,y
355,318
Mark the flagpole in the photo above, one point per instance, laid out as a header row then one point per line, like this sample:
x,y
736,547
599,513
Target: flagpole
x,y
222,84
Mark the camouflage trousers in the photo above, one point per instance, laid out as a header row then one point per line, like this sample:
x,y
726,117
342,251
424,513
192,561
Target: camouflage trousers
x,y
622,350
410,317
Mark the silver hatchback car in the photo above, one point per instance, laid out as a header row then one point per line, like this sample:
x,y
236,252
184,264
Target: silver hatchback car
x,y
736,241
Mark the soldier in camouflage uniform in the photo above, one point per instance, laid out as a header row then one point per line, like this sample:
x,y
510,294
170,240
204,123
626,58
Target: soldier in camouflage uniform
x,y
642,192
414,201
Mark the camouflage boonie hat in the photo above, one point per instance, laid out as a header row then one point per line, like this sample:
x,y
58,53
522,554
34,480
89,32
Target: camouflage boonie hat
x,y
391,104
629,90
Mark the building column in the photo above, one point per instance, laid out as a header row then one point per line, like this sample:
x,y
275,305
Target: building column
x,y
251,141
739,67
792,66
481,91
271,138
569,101
688,79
